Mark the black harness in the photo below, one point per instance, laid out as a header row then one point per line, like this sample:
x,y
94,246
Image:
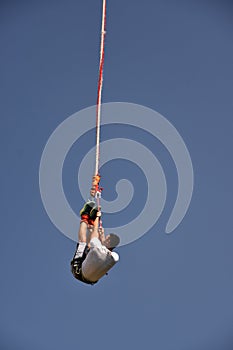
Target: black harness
x,y
76,267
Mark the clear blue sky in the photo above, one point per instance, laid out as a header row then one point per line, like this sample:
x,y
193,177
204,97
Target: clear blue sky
x,y
168,292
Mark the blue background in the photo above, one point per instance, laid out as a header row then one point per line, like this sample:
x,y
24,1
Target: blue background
x,y
168,292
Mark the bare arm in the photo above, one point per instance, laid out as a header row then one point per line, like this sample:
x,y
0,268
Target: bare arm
x,y
101,235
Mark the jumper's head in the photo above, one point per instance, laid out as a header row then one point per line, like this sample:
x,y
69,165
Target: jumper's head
x,y
111,241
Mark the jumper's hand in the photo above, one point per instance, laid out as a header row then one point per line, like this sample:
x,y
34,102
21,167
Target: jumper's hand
x,y
98,214
101,231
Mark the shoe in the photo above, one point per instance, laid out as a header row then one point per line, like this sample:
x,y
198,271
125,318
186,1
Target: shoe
x,y
93,213
87,208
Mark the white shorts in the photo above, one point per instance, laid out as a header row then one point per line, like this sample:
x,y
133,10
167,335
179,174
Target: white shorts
x,y
98,262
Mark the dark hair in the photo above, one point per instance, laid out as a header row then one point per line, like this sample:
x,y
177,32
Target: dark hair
x,y
114,240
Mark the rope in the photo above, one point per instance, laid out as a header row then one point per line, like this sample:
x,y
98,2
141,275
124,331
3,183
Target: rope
x,y
100,87
98,108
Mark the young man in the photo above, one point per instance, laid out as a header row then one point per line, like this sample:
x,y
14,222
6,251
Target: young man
x,y
94,256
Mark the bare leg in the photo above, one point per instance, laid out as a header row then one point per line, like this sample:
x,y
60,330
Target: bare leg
x,y
89,232
82,239
82,233
94,232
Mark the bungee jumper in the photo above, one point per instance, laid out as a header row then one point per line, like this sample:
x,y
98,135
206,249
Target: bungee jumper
x,y
94,255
